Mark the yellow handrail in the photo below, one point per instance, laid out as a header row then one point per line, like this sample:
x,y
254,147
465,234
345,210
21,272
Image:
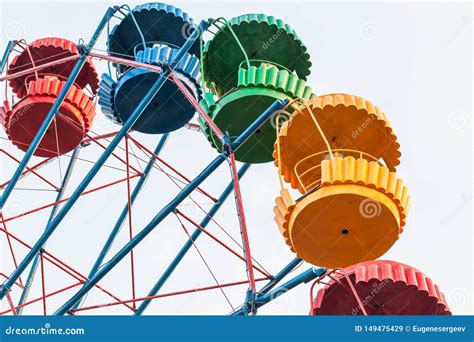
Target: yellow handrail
x,y
277,129
317,126
299,175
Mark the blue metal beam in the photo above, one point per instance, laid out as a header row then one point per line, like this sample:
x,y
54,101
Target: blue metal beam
x,y
8,50
102,159
169,208
124,213
304,277
54,109
189,243
280,275
59,196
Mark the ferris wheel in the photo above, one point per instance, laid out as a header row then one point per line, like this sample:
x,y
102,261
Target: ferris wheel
x,y
341,205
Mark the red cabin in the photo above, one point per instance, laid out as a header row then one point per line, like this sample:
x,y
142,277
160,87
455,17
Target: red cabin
x,y
37,91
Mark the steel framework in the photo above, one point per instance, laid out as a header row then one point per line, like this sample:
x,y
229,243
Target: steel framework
x,y
38,254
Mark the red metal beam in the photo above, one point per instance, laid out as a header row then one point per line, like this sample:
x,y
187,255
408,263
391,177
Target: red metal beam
x,y
243,223
31,170
176,293
130,226
195,224
11,247
43,283
101,136
39,67
3,275
126,62
67,199
202,113
63,266
73,125
10,302
28,170
40,298
144,148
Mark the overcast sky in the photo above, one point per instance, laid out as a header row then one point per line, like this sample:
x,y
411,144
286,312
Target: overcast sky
x,y
412,60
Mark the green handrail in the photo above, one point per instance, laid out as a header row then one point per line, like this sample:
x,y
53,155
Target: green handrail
x,y
223,21
267,62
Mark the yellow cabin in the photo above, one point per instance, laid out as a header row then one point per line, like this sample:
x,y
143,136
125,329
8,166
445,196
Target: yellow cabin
x,y
340,153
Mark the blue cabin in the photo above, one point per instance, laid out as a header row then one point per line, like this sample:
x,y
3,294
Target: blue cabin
x,y
151,33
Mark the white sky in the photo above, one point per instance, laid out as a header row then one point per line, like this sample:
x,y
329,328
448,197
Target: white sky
x,y
412,60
